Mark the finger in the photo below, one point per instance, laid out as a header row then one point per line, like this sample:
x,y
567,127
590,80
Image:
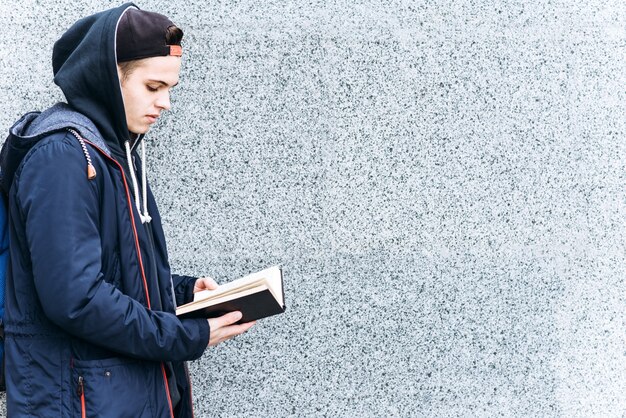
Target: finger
x,y
209,283
225,320
205,283
239,328
220,335
226,333
247,325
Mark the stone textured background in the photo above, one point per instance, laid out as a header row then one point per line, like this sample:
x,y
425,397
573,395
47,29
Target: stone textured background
x,y
443,182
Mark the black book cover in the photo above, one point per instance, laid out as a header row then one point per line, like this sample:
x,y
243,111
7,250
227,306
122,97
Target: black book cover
x,y
254,306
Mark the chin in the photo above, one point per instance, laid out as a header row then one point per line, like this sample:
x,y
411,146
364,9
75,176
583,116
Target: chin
x,y
140,131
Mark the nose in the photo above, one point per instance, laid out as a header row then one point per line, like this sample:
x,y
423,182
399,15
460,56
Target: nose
x,y
163,101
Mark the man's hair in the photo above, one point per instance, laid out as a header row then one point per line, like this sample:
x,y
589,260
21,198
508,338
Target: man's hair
x,y
173,36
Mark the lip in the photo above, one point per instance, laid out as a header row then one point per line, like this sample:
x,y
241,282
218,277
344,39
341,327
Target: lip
x,y
152,118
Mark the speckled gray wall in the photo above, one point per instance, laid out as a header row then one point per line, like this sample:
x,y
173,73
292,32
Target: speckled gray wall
x,y
443,182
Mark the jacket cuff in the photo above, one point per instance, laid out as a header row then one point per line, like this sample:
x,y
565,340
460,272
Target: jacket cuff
x,y
203,331
183,288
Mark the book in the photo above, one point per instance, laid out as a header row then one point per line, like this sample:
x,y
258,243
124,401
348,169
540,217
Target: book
x,y
256,296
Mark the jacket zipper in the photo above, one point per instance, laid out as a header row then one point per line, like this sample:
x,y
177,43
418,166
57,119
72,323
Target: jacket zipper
x,y
132,220
143,274
81,393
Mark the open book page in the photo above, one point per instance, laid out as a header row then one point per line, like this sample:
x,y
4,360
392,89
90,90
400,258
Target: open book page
x,y
270,277
190,307
256,296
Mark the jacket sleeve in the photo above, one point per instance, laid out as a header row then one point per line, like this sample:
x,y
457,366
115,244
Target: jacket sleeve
x,y
60,208
183,288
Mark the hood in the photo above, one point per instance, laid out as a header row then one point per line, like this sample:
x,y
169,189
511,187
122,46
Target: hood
x,y
34,126
85,68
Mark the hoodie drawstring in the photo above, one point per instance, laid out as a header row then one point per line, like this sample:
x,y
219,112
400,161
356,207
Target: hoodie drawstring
x,y
91,171
91,174
144,216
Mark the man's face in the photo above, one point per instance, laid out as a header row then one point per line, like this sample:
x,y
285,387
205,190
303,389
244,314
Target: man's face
x,y
146,91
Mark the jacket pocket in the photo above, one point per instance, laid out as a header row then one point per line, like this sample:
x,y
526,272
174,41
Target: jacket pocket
x,y
114,387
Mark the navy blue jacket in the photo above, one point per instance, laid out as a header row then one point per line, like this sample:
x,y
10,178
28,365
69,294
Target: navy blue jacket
x,y
89,320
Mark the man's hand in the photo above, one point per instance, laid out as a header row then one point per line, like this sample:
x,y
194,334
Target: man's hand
x,y
222,328
204,283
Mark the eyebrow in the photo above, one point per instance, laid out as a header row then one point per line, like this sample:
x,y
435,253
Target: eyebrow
x,y
163,83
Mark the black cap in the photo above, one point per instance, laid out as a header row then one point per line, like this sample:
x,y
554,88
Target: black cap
x,y
141,34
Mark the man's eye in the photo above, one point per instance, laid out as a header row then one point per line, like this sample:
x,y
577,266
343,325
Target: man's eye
x,y
151,88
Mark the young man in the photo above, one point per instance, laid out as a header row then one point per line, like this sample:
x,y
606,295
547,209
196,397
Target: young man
x,y
89,325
